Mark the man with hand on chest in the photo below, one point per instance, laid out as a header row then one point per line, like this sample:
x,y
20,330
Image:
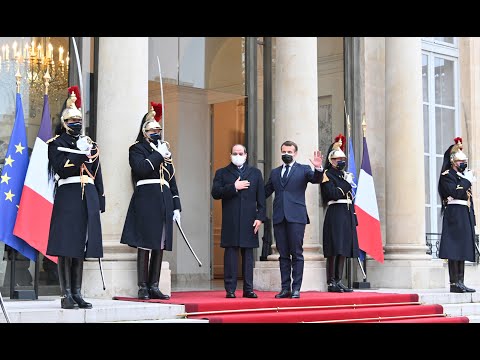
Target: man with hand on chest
x,y
240,187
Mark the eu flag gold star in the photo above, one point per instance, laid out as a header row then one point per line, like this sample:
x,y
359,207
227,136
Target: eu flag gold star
x,y
9,161
5,178
9,195
19,148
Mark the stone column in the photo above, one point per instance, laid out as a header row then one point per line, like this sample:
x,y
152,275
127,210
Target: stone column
x,y
469,65
296,119
122,102
406,263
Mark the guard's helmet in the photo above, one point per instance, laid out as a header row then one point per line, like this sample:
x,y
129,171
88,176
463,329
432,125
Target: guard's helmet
x,y
336,149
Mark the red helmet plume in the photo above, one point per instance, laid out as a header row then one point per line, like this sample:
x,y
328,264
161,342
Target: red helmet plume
x,y
157,107
340,138
78,102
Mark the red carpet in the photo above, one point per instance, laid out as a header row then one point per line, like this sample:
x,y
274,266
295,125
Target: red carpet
x,y
313,306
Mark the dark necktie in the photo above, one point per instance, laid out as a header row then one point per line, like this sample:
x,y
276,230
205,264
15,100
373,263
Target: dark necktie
x,y
240,171
285,174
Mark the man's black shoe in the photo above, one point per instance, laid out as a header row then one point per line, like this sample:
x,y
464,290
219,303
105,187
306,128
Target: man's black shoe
x,y
296,294
283,294
333,287
343,287
250,294
230,295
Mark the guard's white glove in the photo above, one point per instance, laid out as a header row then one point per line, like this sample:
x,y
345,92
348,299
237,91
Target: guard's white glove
x,y
163,149
468,174
348,177
84,143
176,215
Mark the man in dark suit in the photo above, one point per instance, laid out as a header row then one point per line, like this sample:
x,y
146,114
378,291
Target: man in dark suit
x,y
289,182
241,189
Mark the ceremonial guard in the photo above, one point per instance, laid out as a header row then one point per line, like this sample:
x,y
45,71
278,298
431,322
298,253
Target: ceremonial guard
x,y
154,204
339,227
457,242
75,228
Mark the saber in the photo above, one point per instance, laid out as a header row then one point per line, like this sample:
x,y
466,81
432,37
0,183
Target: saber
x,y
3,309
101,272
80,80
188,244
361,268
75,151
161,94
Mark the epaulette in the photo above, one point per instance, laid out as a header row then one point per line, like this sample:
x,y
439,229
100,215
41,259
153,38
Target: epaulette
x,y
446,172
325,177
136,142
53,138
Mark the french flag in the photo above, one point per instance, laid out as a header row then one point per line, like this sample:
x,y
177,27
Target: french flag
x,y
368,229
36,204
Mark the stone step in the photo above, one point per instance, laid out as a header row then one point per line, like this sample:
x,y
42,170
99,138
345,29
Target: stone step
x,y
474,319
449,298
462,309
49,311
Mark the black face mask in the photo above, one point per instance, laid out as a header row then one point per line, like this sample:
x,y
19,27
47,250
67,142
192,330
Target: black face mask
x,y
287,158
341,165
154,138
75,128
462,167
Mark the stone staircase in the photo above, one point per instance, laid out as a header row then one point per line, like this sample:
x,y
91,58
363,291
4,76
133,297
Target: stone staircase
x,y
47,310
467,304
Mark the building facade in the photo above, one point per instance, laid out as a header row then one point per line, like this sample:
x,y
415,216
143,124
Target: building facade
x,y
416,95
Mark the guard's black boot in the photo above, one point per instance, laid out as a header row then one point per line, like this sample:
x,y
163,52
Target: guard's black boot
x,y
332,285
339,266
461,276
77,272
154,276
455,286
142,273
65,281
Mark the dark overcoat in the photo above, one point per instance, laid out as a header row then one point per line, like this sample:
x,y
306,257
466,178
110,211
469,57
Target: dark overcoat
x,y
289,201
151,206
458,226
75,227
340,223
241,208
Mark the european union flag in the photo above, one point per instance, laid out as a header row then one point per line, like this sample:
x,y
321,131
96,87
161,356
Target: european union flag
x,y
11,184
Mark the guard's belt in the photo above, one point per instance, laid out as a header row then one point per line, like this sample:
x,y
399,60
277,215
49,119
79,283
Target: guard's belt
x,y
152,181
457,202
341,201
76,179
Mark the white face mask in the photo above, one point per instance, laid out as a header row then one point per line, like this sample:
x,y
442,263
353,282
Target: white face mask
x,y
238,160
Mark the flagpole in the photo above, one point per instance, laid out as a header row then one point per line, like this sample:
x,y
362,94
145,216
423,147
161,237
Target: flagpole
x,y
363,284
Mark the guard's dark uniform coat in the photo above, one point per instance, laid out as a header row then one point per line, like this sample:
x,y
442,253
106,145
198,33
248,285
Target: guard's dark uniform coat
x,y
339,226
458,232
75,228
239,209
151,206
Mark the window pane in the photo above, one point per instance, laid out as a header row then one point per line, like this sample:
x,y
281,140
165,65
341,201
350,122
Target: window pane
x,y
166,48
445,39
426,130
428,223
425,77
427,179
213,63
445,127
444,84
439,219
